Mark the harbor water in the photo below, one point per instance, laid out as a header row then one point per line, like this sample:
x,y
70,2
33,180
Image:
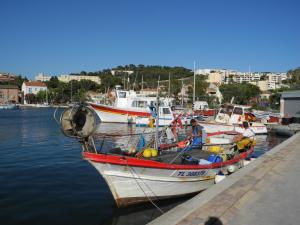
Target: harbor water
x,y
44,180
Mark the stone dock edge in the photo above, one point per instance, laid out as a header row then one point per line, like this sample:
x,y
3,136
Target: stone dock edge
x,y
178,214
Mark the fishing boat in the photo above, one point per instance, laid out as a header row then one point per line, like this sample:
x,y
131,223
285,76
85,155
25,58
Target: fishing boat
x,y
135,177
128,107
230,118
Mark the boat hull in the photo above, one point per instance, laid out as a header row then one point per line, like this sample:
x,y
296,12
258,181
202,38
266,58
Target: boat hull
x,y
133,185
111,114
134,180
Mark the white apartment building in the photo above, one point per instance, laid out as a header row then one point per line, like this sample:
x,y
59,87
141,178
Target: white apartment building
x,y
42,77
275,77
246,77
114,72
67,78
203,71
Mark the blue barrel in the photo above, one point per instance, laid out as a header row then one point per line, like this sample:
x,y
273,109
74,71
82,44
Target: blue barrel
x,y
215,158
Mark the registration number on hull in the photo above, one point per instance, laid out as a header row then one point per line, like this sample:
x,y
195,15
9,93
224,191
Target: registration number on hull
x,y
189,173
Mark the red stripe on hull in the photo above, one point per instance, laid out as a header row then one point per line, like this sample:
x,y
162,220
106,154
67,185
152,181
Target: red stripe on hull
x,y
120,111
138,162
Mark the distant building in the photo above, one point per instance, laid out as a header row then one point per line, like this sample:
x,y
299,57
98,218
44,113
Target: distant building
x,y
247,77
42,77
6,77
262,84
9,93
32,87
115,72
67,78
216,77
290,104
203,71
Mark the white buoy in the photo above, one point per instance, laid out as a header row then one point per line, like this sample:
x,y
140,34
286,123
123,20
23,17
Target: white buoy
x,y
231,169
219,178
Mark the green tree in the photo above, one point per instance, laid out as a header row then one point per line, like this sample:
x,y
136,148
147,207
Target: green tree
x,y
175,87
41,96
53,82
242,93
31,98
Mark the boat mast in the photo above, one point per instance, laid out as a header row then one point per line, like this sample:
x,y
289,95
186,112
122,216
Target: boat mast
x,y
194,89
8,101
71,91
157,120
142,82
169,86
181,93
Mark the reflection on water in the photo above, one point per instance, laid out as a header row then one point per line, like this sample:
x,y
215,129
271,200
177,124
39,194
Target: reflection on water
x,y
141,214
45,181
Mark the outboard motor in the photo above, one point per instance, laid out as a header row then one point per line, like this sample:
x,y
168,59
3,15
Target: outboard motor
x,y
78,121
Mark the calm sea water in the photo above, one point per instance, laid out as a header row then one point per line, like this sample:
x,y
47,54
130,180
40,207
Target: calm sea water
x,y
44,180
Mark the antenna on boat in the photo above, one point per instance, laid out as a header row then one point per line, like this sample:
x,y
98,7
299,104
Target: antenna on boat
x,y
142,82
157,120
135,79
181,93
232,99
194,89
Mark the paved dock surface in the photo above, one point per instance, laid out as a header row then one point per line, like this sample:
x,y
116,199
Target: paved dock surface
x,y
265,192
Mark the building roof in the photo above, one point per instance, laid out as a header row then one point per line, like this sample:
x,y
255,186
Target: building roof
x,y
290,94
35,84
9,87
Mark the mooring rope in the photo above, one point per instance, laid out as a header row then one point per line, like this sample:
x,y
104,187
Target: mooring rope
x,y
133,173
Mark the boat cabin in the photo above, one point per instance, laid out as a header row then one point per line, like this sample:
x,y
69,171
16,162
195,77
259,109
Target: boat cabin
x,y
129,99
233,114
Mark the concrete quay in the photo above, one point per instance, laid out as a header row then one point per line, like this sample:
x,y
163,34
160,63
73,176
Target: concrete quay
x,y
265,192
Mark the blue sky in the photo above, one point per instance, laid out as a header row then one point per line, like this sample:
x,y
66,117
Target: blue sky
x,y
64,36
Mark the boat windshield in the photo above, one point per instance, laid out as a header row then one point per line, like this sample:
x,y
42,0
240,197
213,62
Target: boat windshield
x,y
238,111
227,110
122,94
139,104
166,111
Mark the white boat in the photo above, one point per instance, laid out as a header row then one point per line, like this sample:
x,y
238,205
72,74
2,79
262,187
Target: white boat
x,y
132,180
8,106
128,107
133,177
230,118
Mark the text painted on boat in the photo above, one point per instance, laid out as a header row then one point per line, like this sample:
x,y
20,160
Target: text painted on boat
x,y
189,173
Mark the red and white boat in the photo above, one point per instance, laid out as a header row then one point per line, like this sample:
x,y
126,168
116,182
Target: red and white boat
x,y
128,107
133,179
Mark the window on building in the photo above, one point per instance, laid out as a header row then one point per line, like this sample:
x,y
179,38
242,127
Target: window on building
x,y
30,90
